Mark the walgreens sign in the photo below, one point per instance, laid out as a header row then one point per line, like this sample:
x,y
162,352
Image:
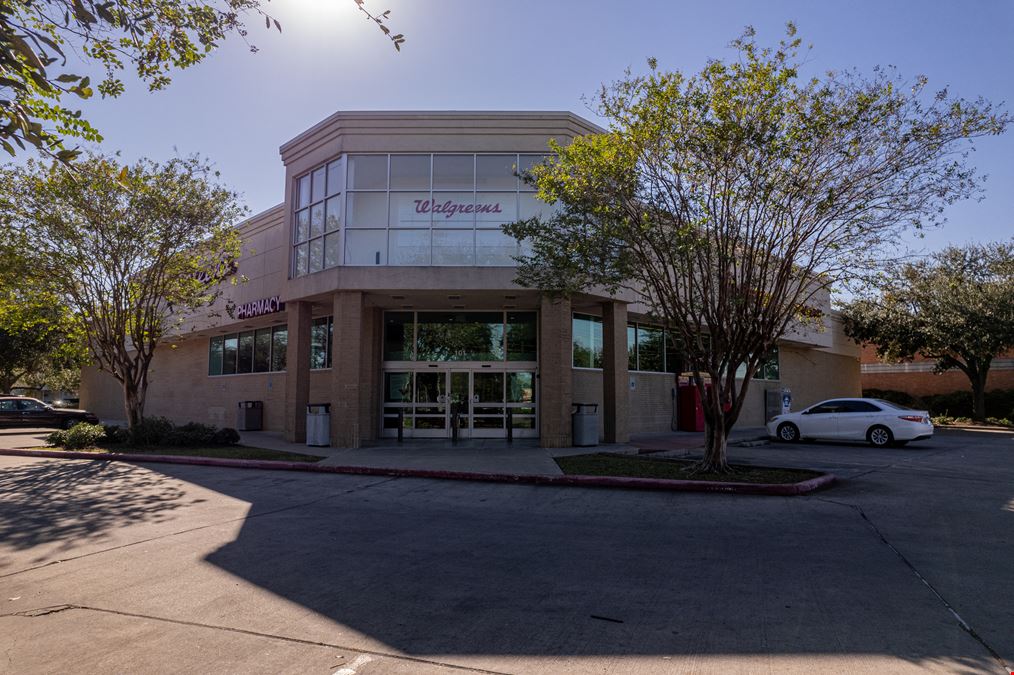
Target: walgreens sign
x,y
449,208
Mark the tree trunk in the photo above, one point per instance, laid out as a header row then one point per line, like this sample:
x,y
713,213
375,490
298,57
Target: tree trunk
x,y
133,404
716,449
979,398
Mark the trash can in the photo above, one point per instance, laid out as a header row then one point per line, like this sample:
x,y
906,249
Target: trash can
x,y
318,424
250,416
585,422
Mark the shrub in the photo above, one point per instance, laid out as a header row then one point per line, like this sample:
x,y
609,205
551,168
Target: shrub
x,y
151,431
81,435
192,434
115,434
226,436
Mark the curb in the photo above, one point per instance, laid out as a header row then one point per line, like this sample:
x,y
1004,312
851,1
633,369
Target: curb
x,y
777,489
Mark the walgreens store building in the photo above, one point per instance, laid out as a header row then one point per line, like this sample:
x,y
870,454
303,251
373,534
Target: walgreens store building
x,y
384,287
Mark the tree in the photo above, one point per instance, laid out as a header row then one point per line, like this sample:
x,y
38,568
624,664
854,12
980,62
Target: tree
x,y
154,37
957,307
731,201
38,334
133,250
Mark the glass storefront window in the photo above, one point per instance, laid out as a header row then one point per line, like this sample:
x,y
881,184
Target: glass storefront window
x,y
334,177
332,253
495,172
367,172
257,351
531,206
525,164
453,172
520,388
493,209
215,356
366,209
279,347
244,360
453,247
631,347
474,193
366,247
587,338
303,189
262,350
522,336
316,255
302,231
452,209
399,334
410,209
409,247
410,172
494,248
460,336
317,220
650,349
333,219
319,342
318,179
302,251
767,369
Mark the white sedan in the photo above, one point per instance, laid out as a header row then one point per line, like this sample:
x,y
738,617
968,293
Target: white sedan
x,y
879,422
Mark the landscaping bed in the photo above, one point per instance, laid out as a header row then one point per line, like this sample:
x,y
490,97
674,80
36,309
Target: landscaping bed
x,y
634,466
217,451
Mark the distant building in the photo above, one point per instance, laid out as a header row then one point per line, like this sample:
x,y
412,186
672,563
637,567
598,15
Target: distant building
x,y
918,379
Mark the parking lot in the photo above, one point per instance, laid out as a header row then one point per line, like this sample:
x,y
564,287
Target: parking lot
x,y
902,567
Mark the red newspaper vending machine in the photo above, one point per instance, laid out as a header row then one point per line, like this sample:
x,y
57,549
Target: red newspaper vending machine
x,y
689,412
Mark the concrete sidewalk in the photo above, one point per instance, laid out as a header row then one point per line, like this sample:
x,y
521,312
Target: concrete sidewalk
x,y
523,456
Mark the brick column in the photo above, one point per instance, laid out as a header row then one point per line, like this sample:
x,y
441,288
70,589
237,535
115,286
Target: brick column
x,y
615,377
297,371
354,370
555,377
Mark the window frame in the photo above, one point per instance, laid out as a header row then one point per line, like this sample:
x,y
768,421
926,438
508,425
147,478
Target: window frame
x,y
221,340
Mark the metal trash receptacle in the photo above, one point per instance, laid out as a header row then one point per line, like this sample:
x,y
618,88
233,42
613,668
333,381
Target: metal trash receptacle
x,y
250,416
585,424
318,424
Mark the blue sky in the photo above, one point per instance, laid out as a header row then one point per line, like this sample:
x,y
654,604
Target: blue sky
x,y
238,107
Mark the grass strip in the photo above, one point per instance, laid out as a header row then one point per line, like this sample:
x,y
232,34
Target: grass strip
x,y
219,451
633,466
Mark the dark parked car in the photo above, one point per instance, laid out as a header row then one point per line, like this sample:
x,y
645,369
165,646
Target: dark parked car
x,y
21,411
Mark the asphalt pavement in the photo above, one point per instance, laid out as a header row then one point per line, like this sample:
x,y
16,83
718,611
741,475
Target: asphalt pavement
x,y
905,566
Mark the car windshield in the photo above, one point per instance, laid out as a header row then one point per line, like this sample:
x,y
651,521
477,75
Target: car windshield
x,y
890,404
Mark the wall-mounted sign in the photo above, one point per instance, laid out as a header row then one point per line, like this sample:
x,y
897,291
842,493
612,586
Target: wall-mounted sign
x,y
259,307
449,207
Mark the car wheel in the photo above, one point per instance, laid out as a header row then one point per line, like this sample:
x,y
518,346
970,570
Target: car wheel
x,y
68,423
788,432
879,436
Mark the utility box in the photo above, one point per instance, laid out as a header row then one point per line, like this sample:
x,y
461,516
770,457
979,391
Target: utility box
x,y
318,424
690,414
585,424
250,416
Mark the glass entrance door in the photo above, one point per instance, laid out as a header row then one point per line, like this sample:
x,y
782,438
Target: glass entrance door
x,y
481,402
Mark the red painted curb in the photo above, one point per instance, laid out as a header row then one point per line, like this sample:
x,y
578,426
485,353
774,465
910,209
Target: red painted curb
x,y
779,489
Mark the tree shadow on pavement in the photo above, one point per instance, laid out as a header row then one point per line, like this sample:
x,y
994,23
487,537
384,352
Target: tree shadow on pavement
x,y
69,503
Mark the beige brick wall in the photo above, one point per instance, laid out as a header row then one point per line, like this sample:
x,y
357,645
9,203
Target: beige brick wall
x,y
181,390
812,375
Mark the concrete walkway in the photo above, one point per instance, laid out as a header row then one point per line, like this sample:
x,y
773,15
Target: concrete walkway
x,y
523,456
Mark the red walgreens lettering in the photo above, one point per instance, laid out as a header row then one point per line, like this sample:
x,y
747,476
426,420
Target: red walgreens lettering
x,y
449,208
